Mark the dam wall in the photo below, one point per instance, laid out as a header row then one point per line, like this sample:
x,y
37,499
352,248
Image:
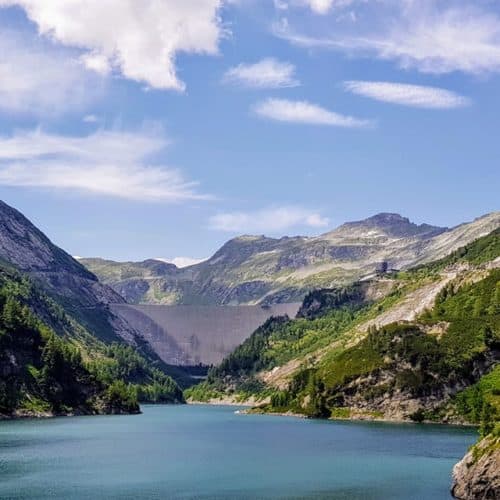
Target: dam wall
x,y
189,335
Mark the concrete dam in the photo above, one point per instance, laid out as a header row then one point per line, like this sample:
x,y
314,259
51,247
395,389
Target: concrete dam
x,y
189,335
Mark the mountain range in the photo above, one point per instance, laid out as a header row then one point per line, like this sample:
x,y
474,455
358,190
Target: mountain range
x,y
396,321
261,270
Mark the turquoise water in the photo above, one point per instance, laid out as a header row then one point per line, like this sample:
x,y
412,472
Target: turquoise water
x,y
208,452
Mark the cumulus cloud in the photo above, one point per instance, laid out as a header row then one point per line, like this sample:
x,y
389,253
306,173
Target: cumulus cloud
x,y
138,39
267,73
106,163
428,36
417,96
36,78
284,110
267,220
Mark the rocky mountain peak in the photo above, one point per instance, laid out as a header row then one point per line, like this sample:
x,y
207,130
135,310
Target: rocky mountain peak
x,y
388,224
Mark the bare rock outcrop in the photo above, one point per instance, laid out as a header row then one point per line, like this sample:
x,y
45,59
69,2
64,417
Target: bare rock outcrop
x,y
477,475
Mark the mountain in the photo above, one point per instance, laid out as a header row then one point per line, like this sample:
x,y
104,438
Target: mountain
x,y
62,350
27,249
419,345
261,270
423,344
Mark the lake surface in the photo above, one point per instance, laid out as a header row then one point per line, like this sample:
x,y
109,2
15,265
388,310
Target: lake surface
x,y
209,452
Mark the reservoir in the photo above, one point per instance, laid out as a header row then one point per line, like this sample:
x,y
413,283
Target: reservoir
x,y
210,452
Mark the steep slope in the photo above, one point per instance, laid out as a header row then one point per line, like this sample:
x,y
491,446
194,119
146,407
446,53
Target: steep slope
x,y
477,475
66,300
75,289
257,269
42,373
25,247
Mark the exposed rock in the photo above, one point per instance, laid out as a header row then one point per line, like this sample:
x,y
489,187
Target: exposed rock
x,y
69,283
477,475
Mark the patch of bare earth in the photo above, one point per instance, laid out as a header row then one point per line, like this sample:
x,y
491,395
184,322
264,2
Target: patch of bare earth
x,y
408,309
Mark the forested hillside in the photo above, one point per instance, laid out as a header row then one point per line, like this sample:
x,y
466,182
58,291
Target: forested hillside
x,y
427,350
50,365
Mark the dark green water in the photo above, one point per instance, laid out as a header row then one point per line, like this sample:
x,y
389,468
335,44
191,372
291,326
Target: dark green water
x,y
209,453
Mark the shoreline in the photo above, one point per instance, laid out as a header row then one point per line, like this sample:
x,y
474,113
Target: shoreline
x,y
46,415
252,409
362,419
228,401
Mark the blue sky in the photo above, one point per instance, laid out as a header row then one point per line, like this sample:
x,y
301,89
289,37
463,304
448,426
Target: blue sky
x,y
132,129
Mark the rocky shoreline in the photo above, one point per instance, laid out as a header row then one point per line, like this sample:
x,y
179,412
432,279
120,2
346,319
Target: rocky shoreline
x,y
477,475
28,414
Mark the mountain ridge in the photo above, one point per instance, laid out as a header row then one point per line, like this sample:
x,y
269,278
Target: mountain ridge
x,y
263,270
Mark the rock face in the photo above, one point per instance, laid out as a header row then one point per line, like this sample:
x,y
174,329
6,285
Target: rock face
x,y
261,270
477,475
29,250
69,283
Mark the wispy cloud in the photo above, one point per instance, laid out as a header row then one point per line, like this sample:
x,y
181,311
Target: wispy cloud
x,y
106,163
431,37
416,96
37,79
144,38
305,112
268,73
268,220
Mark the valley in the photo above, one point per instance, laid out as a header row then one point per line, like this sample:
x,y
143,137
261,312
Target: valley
x,y
400,322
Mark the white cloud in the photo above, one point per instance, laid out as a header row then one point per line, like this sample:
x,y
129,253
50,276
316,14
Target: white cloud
x,y
181,262
317,6
428,36
304,112
267,73
106,163
324,6
96,62
37,79
267,220
90,119
139,39
416,96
